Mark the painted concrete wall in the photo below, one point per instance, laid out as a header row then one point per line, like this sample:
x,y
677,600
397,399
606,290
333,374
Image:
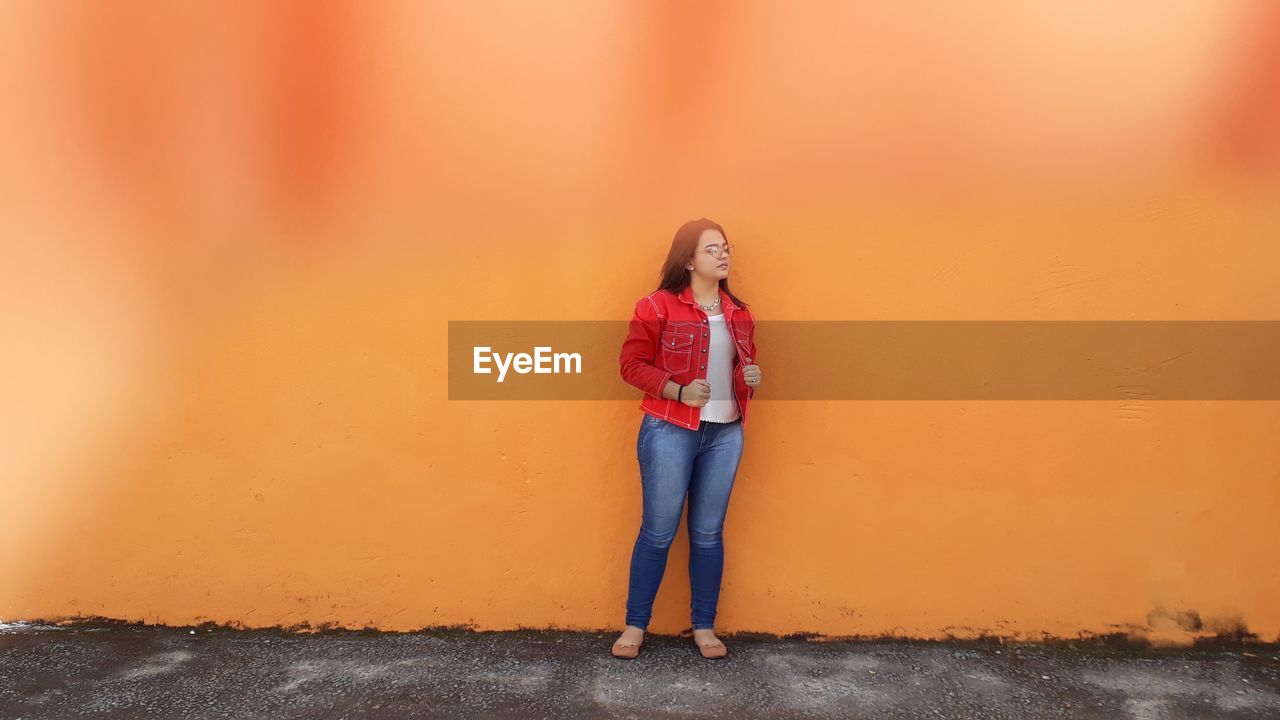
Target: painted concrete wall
x,y
234,237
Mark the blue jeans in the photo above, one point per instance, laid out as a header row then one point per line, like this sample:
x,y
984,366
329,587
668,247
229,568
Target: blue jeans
x,y
675,461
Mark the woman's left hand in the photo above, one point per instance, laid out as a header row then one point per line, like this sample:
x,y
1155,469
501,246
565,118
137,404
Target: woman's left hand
x,y
751,374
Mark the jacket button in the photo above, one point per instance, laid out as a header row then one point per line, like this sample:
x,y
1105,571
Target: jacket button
x,y
704,349
704,367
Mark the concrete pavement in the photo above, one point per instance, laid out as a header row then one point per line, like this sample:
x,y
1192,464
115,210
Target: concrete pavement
x,y
116,670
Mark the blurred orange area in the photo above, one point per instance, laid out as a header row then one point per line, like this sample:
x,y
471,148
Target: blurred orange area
x,y
246,118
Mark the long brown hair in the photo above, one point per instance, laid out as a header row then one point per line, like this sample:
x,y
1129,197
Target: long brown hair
x,y
675,276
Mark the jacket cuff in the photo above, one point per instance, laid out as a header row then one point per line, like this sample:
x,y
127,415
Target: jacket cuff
x,y
662,385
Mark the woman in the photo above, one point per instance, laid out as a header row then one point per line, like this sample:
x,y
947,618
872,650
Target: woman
x,y
690,348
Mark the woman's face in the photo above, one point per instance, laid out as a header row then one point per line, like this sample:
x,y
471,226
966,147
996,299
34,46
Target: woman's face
x,y
705,261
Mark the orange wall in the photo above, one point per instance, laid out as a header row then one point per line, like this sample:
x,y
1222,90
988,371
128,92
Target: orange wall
x,y
234,238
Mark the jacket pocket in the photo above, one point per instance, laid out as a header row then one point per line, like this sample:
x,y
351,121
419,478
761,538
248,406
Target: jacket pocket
x,y
677,350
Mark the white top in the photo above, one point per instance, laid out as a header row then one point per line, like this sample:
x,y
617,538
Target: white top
x,y
723,405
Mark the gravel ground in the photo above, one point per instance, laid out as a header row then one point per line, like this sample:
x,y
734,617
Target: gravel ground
x,y
117,670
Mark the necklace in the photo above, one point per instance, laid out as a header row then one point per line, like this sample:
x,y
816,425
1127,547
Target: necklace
x,y
712,306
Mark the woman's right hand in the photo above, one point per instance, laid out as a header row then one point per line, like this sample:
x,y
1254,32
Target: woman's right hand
x,y
696,393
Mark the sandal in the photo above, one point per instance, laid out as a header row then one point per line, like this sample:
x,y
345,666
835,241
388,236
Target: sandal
x,y
626,648
712,650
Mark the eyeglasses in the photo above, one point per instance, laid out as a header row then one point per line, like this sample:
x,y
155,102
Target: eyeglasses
x,y
720,251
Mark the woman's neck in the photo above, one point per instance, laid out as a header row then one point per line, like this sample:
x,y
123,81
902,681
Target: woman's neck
x,y
704,291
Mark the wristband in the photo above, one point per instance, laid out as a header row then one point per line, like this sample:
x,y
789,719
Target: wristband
x,y
679,393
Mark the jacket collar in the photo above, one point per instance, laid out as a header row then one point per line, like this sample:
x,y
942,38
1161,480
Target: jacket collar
x,y
725,302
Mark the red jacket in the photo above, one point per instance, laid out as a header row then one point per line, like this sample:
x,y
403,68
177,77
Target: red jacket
x,y
668,340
